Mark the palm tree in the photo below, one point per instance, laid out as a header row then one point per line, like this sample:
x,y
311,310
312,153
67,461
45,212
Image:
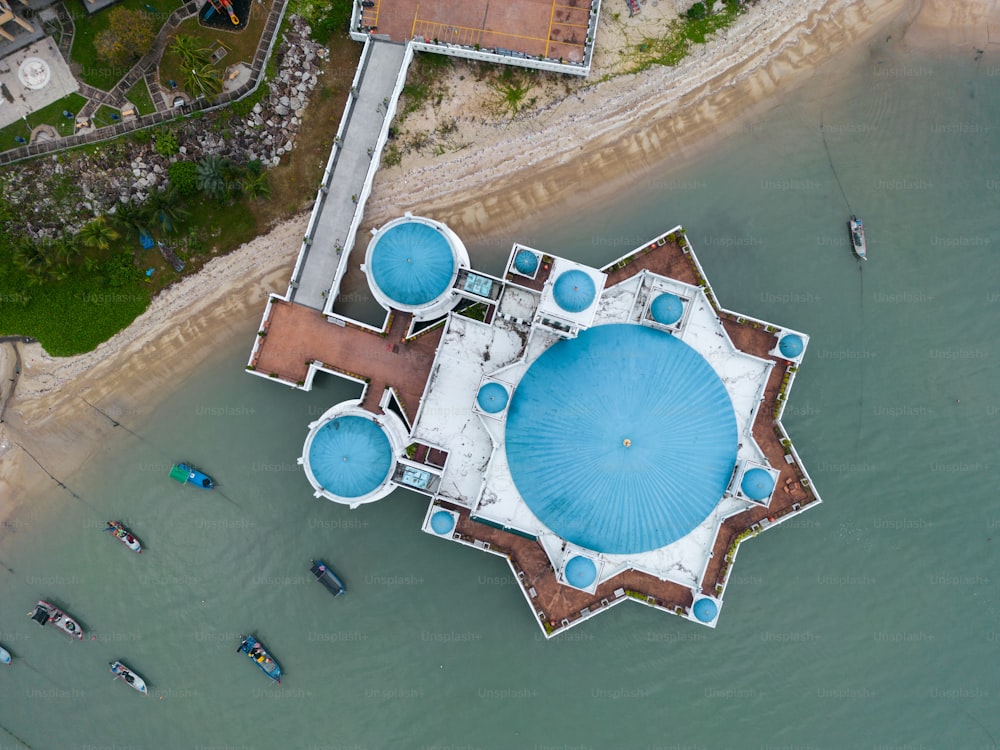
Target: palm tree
x,y
211,178
65,249
202,79
98,234
130,218
189,50
165,211
256,185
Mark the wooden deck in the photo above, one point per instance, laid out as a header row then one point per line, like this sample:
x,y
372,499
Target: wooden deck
x,y
554,29
297,335
555,604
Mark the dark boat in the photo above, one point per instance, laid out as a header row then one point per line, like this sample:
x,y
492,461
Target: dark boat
x,y
187,474
858,242
327,577
259,656
50,614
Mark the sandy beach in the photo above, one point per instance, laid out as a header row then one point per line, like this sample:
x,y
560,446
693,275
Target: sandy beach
x,y
506,173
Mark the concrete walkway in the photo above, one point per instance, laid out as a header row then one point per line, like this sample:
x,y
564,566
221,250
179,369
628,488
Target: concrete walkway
x,y
358,145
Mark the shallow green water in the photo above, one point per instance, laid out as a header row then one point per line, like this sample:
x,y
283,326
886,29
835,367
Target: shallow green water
x,y
870,622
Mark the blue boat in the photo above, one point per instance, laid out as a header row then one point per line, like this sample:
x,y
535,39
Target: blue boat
x,y
327,577
259,656
187,474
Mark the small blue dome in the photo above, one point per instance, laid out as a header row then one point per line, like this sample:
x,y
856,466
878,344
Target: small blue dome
x,y
412,263
442,522
574,291
350,456
757,484
580,572
492,398
526,262
705,610
667,309
790,346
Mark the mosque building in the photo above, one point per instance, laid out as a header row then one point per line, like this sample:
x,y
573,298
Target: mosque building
x,y
613,433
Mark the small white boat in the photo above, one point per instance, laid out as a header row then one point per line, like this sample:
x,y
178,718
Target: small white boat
x,y
129,677
123,535
858,242
4,656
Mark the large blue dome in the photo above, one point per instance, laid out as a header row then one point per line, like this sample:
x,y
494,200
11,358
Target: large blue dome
x,y
621,440
580,572
757,484
350,456
790,346
492,398
412,263
574,291
526,262
667,309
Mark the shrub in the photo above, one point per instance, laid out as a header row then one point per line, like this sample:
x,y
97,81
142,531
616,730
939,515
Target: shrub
x,y
129,36
184,178
166,142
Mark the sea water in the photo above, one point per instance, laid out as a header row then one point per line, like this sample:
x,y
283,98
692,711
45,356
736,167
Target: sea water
x,y
868,622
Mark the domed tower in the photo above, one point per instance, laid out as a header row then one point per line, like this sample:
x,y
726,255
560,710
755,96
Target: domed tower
x,y
412,264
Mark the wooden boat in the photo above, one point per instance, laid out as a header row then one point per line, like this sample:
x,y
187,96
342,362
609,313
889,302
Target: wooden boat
x,y
4,656
187,474
130,678
259,656
858,242
327,577
123,535
50,614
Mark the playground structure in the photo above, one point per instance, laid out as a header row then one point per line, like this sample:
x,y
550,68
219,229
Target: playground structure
x,y
222,6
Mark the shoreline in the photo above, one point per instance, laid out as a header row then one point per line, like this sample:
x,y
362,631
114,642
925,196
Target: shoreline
x,y
619,129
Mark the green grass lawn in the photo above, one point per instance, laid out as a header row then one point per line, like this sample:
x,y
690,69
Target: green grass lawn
x,y
94,71
52,115
240,45
51,309
102,117
139,96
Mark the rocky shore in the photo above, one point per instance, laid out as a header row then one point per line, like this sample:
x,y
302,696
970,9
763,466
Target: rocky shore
x,y
65,191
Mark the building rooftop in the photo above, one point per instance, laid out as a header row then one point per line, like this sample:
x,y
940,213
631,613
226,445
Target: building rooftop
x,y
622,439
350,456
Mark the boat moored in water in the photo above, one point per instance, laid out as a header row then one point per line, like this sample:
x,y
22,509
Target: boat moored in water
x,y
187,474
259,656
4,656
123,535
129,677
49,614
327,577
858,242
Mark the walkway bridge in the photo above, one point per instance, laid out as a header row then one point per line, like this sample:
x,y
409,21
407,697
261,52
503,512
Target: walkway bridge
x,y
350,171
